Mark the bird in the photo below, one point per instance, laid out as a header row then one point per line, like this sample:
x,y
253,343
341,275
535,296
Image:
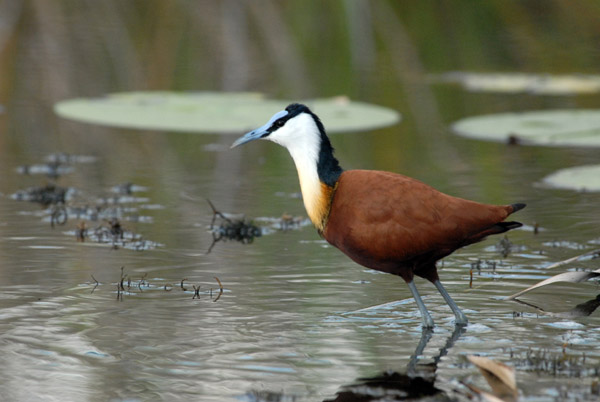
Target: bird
x,y
381,220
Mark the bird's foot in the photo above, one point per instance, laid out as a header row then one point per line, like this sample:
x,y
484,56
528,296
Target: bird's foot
x,y
461,319
427,322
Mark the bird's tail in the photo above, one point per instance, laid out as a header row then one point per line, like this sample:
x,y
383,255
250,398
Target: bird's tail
x,y
517,207
497,228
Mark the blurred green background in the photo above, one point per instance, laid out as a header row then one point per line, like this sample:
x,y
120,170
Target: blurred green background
x,y
379,52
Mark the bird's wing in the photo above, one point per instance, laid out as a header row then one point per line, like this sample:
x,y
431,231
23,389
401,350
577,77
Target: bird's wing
x,y
395,217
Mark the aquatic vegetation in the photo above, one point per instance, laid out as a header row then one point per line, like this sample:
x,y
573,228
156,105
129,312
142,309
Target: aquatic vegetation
x,y
579,178
56,165
520,82
577,127
235,227
558,364
51,170
230,227
505,247
64,204
112,232
215,112
50,194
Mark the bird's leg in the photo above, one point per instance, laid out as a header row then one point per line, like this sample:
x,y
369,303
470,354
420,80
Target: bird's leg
x,y
461,318
426,334
427,320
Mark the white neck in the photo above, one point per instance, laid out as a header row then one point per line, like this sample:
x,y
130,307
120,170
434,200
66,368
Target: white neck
x,y
302,138
310,184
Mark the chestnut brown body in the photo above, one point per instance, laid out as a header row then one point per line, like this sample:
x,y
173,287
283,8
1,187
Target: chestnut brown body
x,y
396,224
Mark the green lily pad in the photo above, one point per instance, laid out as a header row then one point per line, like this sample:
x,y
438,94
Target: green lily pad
x,y
215,112
579,178
512,83
548,127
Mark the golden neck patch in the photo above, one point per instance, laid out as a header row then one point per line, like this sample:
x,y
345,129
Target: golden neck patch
x,y
318,205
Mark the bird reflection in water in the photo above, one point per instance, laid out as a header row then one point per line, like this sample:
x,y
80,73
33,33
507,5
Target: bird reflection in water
x,y
417,381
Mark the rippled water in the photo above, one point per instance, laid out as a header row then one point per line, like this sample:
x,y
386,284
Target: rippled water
x,y
296,319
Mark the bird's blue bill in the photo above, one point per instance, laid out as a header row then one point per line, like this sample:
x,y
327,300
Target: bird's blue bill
x,y
259,132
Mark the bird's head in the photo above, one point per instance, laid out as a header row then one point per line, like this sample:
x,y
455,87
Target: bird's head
x,y
294,125
302,133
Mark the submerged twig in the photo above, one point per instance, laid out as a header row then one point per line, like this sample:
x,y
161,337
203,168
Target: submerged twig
x,y
215,240
142,281
120,287
97,283
81,231
220,290
123,276
59,215
127,284
215,214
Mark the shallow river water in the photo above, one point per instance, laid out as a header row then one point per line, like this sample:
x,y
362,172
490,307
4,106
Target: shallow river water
x,y
140,310
296,319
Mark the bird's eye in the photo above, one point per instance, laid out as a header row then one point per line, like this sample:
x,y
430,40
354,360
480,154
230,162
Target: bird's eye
x,y
278,124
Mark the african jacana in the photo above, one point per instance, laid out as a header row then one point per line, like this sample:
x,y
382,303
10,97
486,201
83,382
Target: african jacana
x,y
382,220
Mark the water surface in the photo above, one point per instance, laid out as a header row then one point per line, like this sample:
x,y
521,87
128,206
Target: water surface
x,y
297,320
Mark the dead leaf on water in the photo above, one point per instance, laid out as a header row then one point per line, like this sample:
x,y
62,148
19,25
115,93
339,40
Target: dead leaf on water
x,y
587,255
572,277
581,310
499,376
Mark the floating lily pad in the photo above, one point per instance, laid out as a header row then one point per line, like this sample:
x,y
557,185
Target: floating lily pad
x,y
215,112
548,127
537,84
580,178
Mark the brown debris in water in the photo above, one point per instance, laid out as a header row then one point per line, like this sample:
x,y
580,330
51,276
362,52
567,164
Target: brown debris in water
x,y
50,194
62,203
237,229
